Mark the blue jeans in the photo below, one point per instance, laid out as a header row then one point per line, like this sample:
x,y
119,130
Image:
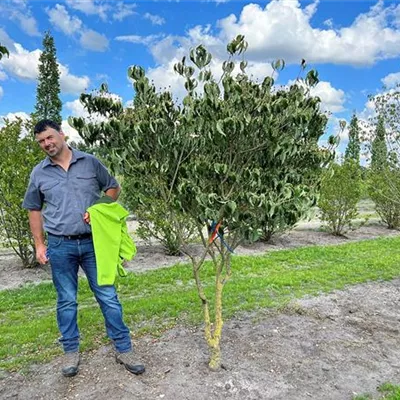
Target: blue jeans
x,y
65,257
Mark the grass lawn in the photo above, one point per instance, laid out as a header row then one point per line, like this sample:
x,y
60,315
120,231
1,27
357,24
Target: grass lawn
x,y
156,300
387,391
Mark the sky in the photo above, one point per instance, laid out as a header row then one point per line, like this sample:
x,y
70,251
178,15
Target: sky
x,y
354,46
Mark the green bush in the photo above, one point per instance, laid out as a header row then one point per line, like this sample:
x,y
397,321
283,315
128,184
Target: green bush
x,y
288,214
381,185
341,190
18,156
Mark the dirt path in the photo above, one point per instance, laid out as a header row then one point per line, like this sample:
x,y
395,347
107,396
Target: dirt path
x,y
328,347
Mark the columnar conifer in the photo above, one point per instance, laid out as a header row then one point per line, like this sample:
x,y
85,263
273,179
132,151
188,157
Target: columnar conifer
x,y
48,104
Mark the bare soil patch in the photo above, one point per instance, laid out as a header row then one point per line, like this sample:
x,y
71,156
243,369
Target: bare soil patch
x,y
327,347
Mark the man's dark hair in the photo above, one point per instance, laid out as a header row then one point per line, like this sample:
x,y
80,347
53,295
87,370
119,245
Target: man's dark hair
x,y
44,124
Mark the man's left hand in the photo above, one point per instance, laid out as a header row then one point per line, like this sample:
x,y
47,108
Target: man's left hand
x,y
86,217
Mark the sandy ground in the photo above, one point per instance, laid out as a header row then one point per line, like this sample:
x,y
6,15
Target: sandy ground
x,y
328,347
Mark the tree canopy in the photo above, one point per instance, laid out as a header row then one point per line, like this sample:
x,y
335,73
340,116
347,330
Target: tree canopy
x,y
48,104
227,158
379,151
353,148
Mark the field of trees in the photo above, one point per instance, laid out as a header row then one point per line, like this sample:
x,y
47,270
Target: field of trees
x,y
236,163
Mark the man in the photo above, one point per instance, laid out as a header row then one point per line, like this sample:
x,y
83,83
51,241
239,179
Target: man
x,y
61,188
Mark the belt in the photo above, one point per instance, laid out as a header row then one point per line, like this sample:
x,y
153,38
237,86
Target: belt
x,y
74,237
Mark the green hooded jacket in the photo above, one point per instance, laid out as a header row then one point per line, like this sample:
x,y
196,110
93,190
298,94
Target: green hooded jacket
x,y
111,240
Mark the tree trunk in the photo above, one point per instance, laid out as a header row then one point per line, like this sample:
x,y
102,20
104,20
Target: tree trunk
x,y
213,336
212,332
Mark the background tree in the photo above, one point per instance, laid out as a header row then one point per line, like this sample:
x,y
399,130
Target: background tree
x,y
353,148
341,190
342,186
384,178
48,104
381,184
379,151
301,172
19,156
386,142
3,52
210,159
157,221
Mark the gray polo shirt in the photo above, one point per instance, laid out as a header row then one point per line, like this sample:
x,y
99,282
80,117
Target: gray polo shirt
x,y
64,196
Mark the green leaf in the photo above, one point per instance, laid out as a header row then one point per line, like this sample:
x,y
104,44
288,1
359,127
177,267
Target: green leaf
x,y
312,78
220,127
231,206
278,65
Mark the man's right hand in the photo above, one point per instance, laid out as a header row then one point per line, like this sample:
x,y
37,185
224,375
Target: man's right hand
x,y
41,255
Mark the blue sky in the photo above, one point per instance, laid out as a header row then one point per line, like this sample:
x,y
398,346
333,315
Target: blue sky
x,y
354,45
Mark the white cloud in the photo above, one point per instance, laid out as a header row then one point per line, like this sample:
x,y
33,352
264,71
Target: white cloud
x,y
1,92
154,19
72,133
332,99
369,111
329,23
11,117
92,40
89,39
72,84
169,48
102,77
372,36
391,80
76,108
19,11
90,7
178,46
165,77
23,65
311,9
369,38
61,20
5,39
15,115
27,22
257,70
118,10
146,40
3,75
123,11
